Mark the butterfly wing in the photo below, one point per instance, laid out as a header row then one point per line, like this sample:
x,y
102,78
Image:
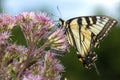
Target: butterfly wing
x,y
84,33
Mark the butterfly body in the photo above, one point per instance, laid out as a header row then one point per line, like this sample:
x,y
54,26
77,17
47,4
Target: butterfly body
x,y
84,34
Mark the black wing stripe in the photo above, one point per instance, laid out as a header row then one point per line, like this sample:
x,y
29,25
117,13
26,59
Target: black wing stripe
x,y
87,20
79,21
94,19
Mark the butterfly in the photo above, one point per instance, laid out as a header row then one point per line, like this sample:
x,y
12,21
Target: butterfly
x,y
84,34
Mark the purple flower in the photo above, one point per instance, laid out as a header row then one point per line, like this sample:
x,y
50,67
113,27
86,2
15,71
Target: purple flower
x,y
7,21
4,37
36,61
44,20
33,77
29,16
52,67
58,40
34,26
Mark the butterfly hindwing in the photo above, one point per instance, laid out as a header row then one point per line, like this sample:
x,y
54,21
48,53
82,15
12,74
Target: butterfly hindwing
x,y
84,34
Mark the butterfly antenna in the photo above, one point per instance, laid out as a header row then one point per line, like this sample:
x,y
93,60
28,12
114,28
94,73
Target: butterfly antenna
x,y
59,11
96,69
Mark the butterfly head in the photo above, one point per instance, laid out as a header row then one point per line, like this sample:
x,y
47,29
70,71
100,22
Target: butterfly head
x,y
62,23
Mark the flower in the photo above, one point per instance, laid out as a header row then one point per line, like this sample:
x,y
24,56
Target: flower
x,y
7,21
43,19
36,60
52,67
58,40
34,26
28,16
32,77
4,36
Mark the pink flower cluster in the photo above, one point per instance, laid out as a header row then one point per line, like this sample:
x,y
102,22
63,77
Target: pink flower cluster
x,y
6,21
34,62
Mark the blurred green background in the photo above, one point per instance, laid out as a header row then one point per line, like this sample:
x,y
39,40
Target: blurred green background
x,y
108,62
